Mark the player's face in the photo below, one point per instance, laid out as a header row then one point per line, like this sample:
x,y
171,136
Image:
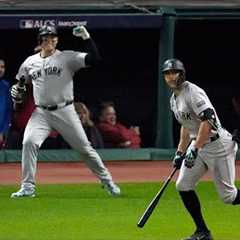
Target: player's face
x,y
49,43
83,114
109,115
171,78
2,68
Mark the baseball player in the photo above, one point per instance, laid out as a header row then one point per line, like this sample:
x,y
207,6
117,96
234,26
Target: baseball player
x,y
203,145
50,71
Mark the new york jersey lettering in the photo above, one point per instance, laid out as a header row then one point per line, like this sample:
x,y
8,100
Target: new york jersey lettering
x,y
185,116
53,71
36,74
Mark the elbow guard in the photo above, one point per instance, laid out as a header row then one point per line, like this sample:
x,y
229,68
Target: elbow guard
x,y
209,115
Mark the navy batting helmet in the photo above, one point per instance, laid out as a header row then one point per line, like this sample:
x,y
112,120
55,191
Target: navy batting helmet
x,y
47,30
173,64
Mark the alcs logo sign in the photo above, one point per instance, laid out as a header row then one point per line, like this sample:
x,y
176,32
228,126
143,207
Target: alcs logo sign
x,y
32,23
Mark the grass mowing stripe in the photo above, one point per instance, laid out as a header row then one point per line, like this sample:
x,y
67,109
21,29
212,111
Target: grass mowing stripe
x,y
85,211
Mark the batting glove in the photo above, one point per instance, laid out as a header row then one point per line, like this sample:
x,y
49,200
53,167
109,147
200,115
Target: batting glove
x,y
191,156
178,159
81,31
17,93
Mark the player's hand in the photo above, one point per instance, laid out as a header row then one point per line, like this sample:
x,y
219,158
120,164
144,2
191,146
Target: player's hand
x,y
136,129
178,159
17,93
191,156
81,31
124,144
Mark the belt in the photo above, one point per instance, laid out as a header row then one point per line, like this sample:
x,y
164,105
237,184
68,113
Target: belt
x,y
212,139
55,107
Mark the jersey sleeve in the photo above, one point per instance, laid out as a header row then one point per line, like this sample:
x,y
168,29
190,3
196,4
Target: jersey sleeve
x,y
75,60
23,72
199,100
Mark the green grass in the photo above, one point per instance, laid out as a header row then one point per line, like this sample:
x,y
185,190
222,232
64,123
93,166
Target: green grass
x,y
69,212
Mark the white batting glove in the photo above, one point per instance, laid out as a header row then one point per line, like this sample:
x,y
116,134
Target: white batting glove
x,y
191,156
81,31
17,93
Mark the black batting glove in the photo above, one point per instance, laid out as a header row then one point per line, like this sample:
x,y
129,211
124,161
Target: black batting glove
x,y
17,93
178,159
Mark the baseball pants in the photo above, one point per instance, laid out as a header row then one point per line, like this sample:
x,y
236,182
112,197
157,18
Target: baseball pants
x,y
66,121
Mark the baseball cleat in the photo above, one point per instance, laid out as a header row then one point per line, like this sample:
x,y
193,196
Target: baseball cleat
x,y
112,188
23,193
200,235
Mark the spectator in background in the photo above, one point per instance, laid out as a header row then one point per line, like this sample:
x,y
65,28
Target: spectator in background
x,y
5,105
115,134
236,107
92,132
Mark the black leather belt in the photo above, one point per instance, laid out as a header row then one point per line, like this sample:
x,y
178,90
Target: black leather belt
x,y
55,107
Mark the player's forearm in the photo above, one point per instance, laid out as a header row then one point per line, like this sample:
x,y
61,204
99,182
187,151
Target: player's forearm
x,y
203,134
184,140
93,57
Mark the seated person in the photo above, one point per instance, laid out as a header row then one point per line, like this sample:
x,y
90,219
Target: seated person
x,y
91,131
115,134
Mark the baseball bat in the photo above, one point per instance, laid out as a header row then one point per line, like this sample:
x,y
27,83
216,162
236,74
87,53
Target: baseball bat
x,y
18,101
155,200
21,82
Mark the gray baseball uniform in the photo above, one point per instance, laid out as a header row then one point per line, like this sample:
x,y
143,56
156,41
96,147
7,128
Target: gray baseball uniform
x,y
217,155
53,86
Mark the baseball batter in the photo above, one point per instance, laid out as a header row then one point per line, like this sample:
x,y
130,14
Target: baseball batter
x,y
203,145
51,73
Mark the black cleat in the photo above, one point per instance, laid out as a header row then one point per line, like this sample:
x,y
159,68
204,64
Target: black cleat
x,y
200,235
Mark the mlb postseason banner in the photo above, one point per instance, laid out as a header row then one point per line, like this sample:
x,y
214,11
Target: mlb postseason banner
x,y
91,20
